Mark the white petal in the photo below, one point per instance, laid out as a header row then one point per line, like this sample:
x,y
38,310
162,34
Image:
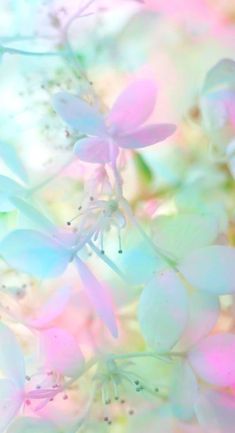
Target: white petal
x,y
11,357
211,269
11,158
183,391
163,311
11,398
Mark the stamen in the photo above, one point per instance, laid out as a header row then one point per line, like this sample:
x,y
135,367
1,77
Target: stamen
x,y
119,241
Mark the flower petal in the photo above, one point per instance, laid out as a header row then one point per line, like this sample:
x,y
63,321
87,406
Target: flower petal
x,y
92,149
211,269
52,309
11,399
32,425
183,391
163,311
10,156
146,136
61,352
216,412
213,359
204,310
98,296
182,233
8,188
11,357
34,253
78,114
33,215
133,106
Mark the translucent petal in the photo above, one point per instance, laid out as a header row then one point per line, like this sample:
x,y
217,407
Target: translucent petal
x,y
204,310
213,359
78,114
33,425
216,412
163,311
52,309
11,357
92,149
34,253
146,136
98,297
211,269
183,391
61,352
8,188
222,74
133,106
182,233
10,401
11,158
34,215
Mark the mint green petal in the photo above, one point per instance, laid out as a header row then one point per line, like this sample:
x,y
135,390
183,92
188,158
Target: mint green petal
x,y
211,269
183,391
182,233
163,311
11,399
34,253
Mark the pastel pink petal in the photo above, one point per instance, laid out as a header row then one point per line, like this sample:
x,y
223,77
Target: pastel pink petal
x,y
134,105
52,309
98,297
146,136
213,359
78,114
94,150
11,399
61,352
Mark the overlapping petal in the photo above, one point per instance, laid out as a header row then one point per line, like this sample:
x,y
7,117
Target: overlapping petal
x,y
133,106
146,136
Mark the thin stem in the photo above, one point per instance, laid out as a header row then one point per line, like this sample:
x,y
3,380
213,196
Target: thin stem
x,y
108,262
145,355
8,50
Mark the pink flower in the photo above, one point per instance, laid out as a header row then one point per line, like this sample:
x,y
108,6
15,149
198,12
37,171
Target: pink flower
x,y
122,127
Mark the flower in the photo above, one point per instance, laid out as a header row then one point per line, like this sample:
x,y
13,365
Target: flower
x,y
122,127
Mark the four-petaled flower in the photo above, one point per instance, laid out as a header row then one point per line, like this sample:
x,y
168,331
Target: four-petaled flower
x,y
121,127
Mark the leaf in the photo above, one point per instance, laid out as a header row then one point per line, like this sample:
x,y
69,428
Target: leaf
x,y
78,114
98,297
61,352
204,310
53,308
11,398
145,136
180,234
33,425
11,357
34,253
133,106
9,155
211,269
163,311
213,359
183,391
143,168
216,411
